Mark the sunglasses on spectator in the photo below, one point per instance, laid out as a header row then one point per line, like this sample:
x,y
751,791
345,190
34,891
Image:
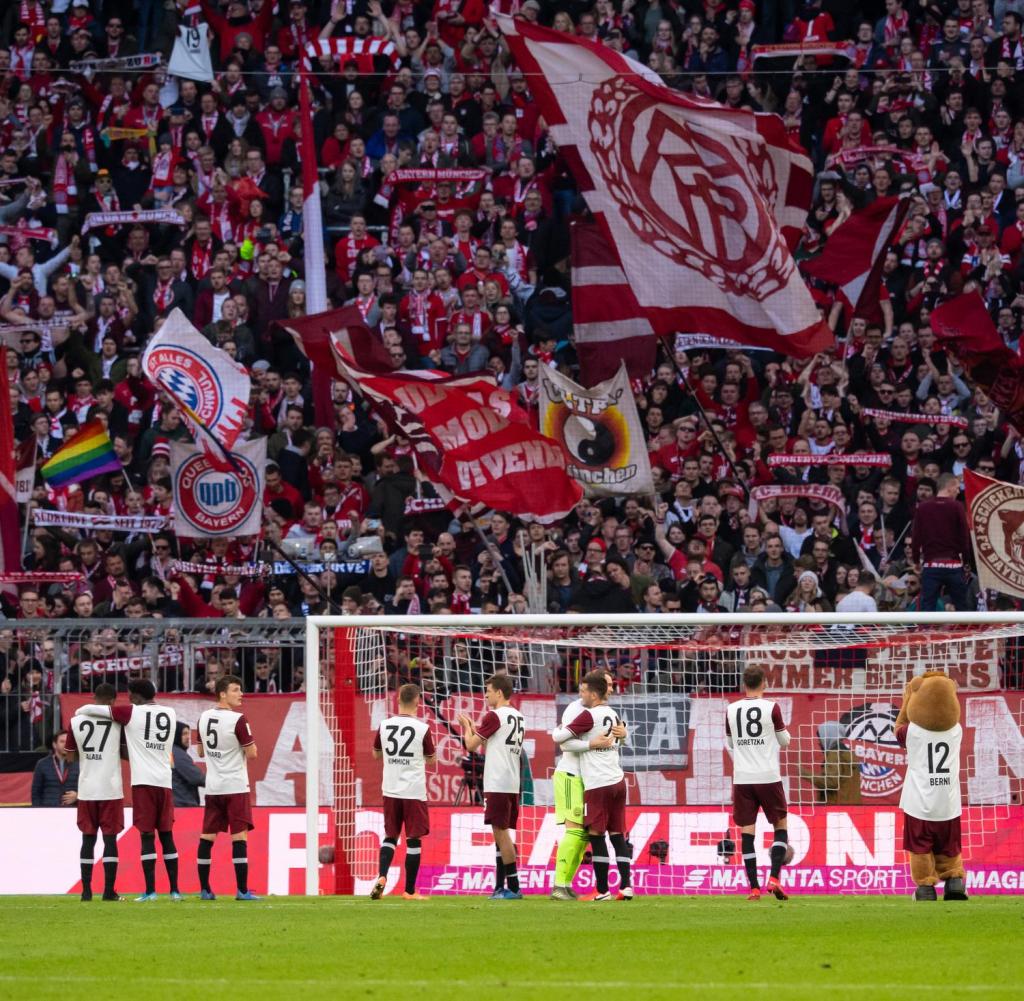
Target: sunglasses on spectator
x,y
961,444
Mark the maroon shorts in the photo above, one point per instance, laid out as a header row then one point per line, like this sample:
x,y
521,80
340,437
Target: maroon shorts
x,y
152,808
230,812
409,813
604,809
922,837
105,815
501,810
747,799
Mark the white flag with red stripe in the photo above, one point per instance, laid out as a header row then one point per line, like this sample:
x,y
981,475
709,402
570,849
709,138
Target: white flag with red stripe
x,y
312,218
703,203
609,325
854,253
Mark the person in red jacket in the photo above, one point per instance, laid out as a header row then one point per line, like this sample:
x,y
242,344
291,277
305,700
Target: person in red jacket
x,y
425,314
277,123
239,21
293,38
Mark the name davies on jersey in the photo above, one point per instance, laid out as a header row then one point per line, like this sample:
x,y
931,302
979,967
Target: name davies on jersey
x,y
152,745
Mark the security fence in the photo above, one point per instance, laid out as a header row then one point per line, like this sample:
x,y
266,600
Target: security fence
x,y
39,661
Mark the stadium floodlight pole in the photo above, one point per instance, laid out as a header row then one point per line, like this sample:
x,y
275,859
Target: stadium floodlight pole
x,y
707,420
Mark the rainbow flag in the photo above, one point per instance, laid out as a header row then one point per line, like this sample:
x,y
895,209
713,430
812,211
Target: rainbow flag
x,y
88,454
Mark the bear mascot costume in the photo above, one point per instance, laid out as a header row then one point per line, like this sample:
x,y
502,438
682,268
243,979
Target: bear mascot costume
x,y
928,726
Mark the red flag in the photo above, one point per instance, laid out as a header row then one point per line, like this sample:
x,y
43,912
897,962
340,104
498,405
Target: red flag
x,y
607,320
702,203
964,327
313,336
10,539
475,453
855,252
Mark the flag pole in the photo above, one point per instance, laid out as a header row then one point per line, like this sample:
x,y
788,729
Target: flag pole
x,y
314,265
707,420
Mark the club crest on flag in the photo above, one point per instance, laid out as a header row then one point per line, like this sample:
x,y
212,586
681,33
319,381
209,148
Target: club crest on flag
x,y
996,519
719,224
211,499
190,381
208,386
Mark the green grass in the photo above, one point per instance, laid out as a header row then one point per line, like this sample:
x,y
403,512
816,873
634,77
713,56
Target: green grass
x,y
656,947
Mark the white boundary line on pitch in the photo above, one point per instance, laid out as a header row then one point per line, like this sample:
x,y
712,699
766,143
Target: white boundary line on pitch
x,y
356,981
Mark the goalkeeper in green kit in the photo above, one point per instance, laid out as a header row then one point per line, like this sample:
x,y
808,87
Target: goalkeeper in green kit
x,y
568,788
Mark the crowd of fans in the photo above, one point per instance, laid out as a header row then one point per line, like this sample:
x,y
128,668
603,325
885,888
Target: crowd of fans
x,y
473,276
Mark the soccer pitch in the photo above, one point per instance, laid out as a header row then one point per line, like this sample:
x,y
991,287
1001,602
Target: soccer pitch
x,y
654,947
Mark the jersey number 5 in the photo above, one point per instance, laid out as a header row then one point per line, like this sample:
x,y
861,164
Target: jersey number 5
x,y
211,733
754,725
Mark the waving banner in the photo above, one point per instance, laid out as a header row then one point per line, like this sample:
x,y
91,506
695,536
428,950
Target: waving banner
x,y
811,491
211,499
208,386
474,452
97,220
964,327
898,417
100,522
600,431
702,203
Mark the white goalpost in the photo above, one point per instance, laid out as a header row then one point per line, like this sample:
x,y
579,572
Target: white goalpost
x,y
839,679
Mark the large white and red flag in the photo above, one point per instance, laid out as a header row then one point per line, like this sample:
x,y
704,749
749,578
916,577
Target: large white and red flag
x,y
702,203
207,385
995,515
854,253
609,325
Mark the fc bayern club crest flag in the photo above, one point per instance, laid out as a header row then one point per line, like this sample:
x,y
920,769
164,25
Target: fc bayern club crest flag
x,y
995,513
214,498
703,204
207,385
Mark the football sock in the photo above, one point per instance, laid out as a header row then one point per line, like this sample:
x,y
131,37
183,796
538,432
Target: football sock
x,y
623,857
412,863
86,862
599,859
750,860
240,856
149,861
203,861
571,848
170,859
387,853
778,852
512,876
499,871
109,863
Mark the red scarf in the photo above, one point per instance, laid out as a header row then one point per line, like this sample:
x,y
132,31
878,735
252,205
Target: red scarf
x,y
163,296
65,193
163,165
201,260
35,17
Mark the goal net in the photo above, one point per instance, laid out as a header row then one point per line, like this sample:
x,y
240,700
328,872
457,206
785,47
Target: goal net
x,y
839,681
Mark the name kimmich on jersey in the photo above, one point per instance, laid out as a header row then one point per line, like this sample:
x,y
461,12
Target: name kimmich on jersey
x,y
98,743
224,733
504,730
601,766
751,723
405,743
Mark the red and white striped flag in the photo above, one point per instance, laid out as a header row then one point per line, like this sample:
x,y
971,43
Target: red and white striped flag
x,y
609,324
854,254
702,203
